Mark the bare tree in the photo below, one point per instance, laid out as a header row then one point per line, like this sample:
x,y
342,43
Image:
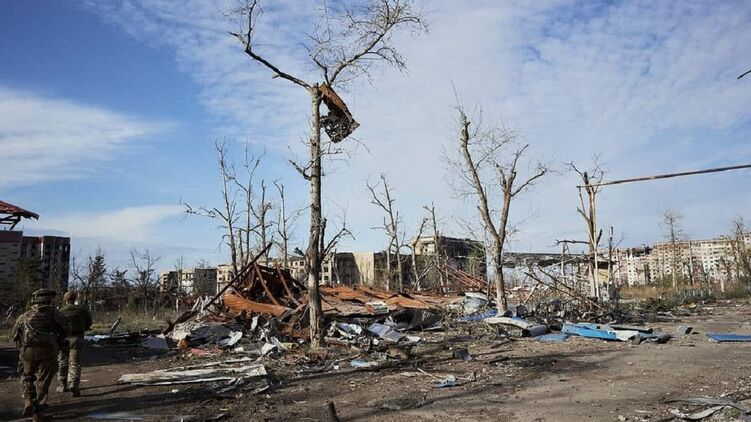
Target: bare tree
x,y
392,222
741,250
90,277
486,167
174,287
342,53
144,278
284,223
590,179
413,252
243,219
229,214
672,227
260,210
438,256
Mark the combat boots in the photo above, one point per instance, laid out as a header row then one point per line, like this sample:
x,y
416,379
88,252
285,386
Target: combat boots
x,y
75,391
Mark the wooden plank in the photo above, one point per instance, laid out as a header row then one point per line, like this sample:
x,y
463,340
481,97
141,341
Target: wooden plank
x,y
238,304
265,287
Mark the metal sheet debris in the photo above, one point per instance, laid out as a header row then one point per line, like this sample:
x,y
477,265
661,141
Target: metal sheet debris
x,y
385,332
195,374
553,338
449,381
728,337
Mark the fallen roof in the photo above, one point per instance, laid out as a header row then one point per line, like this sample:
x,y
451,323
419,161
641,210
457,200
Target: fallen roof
x,y
6,208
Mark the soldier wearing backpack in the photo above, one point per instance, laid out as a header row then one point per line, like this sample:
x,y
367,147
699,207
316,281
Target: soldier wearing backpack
x,y
69,359
37,334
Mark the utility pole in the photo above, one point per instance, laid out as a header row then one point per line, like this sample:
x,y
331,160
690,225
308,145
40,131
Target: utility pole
x,y
592,188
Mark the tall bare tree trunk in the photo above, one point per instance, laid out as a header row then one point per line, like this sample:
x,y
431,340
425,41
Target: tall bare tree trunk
x,y
438,249
316,223
399,268
500,283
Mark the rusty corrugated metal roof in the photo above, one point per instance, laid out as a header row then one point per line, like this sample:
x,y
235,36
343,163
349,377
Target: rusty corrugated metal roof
x,y
6,208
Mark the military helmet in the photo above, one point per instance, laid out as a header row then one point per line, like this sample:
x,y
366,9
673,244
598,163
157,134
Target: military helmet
x,y
43,296
70,296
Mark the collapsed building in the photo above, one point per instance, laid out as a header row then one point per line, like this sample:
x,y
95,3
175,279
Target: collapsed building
x,y
432,257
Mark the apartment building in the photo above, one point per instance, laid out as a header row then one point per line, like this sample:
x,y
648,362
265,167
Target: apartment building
x,y
47,256
189,281
707,260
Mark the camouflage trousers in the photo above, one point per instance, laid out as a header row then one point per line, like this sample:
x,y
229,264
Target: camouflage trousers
x,y
38,369
69,361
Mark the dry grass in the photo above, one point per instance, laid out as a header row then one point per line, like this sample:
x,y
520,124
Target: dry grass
x,y
103,320
131,320
732,291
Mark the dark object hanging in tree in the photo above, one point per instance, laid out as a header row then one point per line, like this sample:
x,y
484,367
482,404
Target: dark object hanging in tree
x,y
339,123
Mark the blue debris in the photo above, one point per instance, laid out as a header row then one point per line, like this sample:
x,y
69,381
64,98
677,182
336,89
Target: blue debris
x,y
554,338
588,330
480,316
730,337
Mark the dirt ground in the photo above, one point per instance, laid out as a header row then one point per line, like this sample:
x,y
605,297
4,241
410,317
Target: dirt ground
x,y
519,380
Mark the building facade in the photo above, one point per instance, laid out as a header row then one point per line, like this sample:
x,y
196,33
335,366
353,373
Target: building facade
x,y
189,281
708,260
45,258
463,254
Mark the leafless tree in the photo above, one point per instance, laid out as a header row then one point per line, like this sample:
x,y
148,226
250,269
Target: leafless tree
x,y
588,211
260,210
413,252
90,276
285,222
344,47
438,255
242,217
254,212
486,166
391,226
672,227
229,215
145,279
741,249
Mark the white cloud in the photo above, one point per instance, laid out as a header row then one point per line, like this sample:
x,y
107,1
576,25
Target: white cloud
x,y
132,224
44,138
651,85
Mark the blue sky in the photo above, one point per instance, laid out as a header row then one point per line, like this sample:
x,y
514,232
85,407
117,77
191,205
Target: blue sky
x,y
109,111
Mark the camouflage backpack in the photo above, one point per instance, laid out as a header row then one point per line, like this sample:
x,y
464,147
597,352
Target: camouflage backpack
x,y
35,329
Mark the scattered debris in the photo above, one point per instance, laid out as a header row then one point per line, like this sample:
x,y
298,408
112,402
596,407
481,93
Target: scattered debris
x,y
683,330
449,381
215,371
553,338
385,332
155,342
462,354
730,337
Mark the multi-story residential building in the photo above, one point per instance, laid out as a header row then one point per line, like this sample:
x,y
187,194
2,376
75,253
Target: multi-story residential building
x,y
47,256
464,254
370,268
45,259
224,275
708,260
189,281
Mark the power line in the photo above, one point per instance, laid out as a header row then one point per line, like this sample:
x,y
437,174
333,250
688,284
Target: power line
x,y
669,175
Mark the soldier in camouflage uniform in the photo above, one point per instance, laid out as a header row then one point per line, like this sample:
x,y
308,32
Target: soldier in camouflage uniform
x,y
69,359
37,334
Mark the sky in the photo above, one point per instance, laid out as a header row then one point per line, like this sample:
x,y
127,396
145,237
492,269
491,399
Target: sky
x,y
109,111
